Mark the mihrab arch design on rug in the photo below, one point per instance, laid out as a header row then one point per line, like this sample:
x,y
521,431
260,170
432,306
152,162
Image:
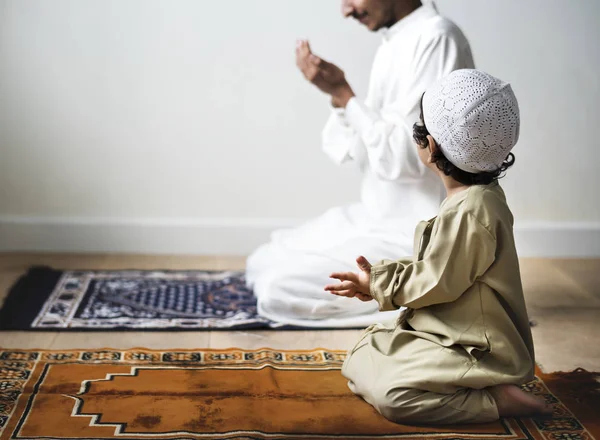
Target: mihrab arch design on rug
x,y
225,394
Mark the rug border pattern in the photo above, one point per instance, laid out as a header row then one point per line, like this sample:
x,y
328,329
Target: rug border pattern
x,y
16,367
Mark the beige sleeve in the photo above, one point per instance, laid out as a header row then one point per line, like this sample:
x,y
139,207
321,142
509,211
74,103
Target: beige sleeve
x,y
460,250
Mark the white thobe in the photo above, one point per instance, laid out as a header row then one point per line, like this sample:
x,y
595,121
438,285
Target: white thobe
x,y
289,273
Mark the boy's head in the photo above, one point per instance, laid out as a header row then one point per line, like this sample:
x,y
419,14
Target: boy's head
x,y
469,123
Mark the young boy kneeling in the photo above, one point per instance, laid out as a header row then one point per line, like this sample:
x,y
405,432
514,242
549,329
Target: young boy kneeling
x,y
463,345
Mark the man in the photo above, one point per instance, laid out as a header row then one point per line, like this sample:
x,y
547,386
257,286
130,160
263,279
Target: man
x,y
289,273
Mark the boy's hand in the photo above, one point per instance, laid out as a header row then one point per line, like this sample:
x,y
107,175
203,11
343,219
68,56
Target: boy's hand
x,y
353,284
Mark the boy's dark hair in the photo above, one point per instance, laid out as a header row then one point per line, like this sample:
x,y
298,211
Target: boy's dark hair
x,y
420,134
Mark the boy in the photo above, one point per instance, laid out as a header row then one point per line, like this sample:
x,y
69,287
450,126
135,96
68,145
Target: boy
x,y
458,352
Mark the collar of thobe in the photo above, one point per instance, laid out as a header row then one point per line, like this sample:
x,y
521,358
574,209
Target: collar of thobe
x,y
421,13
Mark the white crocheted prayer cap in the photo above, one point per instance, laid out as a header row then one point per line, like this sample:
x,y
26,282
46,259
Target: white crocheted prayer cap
x,y
474,119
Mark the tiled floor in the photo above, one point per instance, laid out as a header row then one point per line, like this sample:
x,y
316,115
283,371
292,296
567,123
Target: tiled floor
x,y
563,298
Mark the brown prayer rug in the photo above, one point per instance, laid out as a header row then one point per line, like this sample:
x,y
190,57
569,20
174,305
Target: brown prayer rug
x,y
237,394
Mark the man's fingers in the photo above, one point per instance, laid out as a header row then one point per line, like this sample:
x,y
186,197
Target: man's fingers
x,y
315,60
300,61
363,296
306,46
310,71
302,54
307,56
315,69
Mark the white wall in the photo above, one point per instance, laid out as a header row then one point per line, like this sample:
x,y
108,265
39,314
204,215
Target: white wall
x,y
184,126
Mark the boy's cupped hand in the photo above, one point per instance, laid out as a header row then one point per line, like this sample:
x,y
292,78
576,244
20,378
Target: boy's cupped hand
x,y
353,285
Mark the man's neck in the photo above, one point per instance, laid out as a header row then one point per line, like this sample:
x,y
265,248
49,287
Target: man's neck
x,y
401,9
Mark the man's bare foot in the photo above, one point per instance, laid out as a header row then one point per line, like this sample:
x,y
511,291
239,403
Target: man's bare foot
x,y
512,401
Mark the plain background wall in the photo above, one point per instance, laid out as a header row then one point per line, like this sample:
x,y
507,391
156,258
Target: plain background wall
x,y
184,126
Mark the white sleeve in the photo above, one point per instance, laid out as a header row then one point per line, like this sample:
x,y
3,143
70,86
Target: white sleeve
x,y
387,133
340,141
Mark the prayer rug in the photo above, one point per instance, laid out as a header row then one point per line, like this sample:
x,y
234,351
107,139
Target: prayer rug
x,y
47,299
238,394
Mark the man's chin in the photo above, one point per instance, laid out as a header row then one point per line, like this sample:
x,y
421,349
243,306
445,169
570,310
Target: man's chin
x,y
369,26
373,27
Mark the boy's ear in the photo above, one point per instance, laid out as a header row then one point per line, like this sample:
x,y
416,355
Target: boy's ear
x,y
431,147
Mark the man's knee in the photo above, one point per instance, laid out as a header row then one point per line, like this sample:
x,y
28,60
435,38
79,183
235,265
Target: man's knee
x,y
258,262
265,287
278,290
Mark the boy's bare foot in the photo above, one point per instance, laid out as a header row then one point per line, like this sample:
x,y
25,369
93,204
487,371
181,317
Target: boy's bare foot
x,y
512,401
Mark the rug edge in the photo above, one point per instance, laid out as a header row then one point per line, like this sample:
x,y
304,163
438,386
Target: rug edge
x,y
24,301
15,316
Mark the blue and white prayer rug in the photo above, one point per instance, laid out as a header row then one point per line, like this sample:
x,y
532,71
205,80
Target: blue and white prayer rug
x,y
47,299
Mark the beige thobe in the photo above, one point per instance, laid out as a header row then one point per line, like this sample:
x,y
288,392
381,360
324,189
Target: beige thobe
x,y
466,326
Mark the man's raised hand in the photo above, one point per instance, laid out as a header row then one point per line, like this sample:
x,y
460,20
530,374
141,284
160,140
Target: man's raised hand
x,y
328,77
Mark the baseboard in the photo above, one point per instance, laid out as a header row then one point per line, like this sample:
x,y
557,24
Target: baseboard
x,y
558,239
215,236
230,236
